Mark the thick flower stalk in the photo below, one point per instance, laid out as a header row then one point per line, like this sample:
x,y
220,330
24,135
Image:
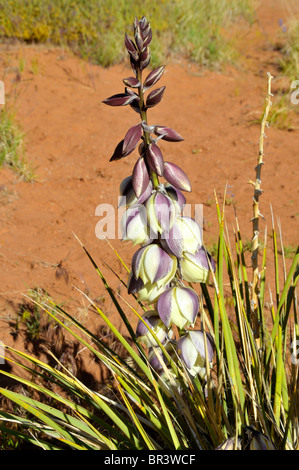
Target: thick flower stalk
x,y
171,253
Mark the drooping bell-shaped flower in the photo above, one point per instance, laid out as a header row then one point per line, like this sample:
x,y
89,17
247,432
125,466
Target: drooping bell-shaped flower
x,y
134,225
153,265
161,212
257,440
145,292
185,235
179,306
191,349
153,321
127,193
196,267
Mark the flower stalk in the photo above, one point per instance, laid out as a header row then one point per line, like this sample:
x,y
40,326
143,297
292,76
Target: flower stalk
x,y
171,253
256,216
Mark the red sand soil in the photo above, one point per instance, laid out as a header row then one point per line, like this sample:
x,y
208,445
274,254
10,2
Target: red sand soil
x,y
70,136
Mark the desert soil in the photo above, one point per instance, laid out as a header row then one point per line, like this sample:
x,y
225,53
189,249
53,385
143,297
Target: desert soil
x,y
70,135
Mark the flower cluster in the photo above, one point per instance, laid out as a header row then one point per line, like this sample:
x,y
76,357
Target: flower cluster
x,y
171,249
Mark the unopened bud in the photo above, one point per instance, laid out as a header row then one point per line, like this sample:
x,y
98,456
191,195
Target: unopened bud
x,y
176,177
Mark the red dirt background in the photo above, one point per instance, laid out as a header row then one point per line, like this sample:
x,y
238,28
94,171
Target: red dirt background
x,y
70,136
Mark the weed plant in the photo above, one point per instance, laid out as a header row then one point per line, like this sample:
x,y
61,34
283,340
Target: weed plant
x,y
12,147
199,372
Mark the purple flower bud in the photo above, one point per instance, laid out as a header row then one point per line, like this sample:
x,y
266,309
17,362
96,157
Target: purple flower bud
x,y
152,264
154,97
143,23
191,349
196,267
119,151
168,134
145,58
120,99
140,177
179,306
153,77
176,176
133,82
138,37
147,37
131,48
132,138
155,158
129,197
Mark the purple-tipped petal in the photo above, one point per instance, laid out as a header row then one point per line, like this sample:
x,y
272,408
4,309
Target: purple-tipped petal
x,y
132,138
187,351
172,241
204,258
140,177
164,267
153,77
155,159
176,195
136,262
134,285
197,338
176,176
164,305
154,97
168,134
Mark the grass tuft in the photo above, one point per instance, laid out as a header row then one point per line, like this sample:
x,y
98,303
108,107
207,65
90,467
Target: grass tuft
x,y
12,147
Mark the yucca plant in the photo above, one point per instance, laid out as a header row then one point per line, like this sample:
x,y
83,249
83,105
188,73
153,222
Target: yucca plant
x,y
195,376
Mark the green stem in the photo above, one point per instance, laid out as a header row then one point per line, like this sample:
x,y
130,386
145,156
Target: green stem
x,y
143,114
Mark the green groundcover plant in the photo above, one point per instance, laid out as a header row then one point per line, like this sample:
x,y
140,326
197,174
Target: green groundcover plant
x,y
195,375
